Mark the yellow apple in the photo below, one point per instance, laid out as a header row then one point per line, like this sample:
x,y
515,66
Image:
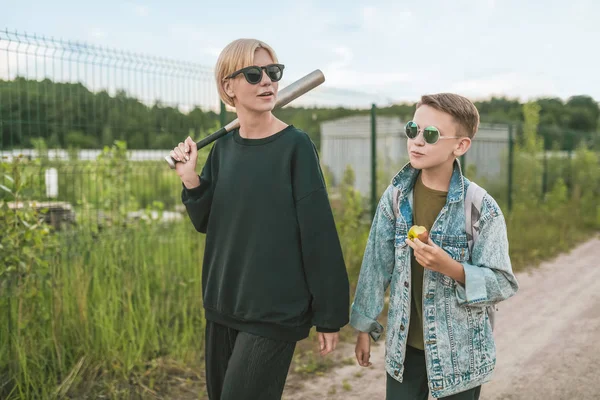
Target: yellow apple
x,y
417,231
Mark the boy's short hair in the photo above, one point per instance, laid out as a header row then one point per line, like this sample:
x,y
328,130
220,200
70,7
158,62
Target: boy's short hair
x,y
462,110
237,55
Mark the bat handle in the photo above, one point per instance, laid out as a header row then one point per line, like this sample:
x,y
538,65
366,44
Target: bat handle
x,y
211,138
170,161
200,144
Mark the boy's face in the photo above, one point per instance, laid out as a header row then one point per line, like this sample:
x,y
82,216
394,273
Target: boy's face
x,y
450,145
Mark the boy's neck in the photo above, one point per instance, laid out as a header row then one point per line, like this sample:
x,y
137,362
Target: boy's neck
x,y
438,177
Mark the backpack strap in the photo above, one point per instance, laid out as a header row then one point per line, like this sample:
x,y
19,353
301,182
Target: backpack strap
x,y
396,201
473,201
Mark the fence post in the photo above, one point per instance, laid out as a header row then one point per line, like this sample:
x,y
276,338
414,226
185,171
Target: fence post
x,y
373,159
222,115
511,160
12,358
570,147
570,171
545,170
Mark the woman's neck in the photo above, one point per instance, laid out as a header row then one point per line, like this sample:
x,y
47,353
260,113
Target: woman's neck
x,y
259,125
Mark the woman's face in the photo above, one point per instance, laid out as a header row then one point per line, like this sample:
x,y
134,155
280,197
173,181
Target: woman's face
x,y
257,98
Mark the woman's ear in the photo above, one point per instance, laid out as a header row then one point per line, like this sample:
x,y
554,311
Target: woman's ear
x,y
227,86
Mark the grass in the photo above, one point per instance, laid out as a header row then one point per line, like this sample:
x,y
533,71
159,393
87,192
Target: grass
x,y
118,313
119,309
536,235
346,385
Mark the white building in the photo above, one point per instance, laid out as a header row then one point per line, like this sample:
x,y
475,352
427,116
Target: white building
x,y
347,141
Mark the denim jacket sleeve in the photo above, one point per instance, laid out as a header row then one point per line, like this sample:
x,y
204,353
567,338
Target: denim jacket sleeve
x,y
376,270
489,278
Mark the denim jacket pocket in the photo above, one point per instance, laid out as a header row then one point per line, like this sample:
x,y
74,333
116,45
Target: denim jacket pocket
x,y
484,351
456,246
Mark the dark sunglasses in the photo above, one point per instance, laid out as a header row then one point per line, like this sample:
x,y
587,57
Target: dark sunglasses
x,y
253,74
431,134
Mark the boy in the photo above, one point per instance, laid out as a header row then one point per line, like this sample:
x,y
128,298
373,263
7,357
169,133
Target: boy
x,y
440,338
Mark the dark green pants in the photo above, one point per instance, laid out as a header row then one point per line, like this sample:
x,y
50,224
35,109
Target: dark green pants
x,y
242,366
414,383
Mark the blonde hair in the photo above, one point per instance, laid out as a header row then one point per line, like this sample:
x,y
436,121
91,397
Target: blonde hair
x,y
462,110
237,55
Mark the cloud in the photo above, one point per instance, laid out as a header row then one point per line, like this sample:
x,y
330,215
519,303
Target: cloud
x,y
343,73
141,11
138,9
363,80
8,68
97,33
344,27
18,57
369,13
387,21
212,51
345,55
511,84
196,41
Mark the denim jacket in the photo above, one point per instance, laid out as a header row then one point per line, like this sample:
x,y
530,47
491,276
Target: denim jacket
x,y
459,345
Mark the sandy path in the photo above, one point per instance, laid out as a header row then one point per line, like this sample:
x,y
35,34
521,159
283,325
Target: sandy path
x,y
547,336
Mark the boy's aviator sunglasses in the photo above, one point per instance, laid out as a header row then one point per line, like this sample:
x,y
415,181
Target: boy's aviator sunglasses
x,y
253,74
431,134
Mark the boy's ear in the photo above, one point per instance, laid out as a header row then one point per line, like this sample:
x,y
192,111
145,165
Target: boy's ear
x,y
462,146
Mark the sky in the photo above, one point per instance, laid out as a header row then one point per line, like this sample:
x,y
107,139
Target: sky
x,y
376,51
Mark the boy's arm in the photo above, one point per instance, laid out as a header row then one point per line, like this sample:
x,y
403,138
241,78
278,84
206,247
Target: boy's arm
x,y
489,279
376,270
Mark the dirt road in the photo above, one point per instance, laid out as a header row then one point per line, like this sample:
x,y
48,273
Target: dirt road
x,y
547,336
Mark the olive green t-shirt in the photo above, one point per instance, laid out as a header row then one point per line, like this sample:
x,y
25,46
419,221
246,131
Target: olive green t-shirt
x,y
427,204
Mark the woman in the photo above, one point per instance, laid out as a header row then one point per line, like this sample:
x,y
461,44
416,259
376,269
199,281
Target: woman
x,y
273,264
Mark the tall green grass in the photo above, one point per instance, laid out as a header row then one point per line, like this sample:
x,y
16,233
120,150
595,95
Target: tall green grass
x,y
113,303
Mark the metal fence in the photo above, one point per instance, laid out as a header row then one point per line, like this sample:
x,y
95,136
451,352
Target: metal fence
x,y
374,146
75,111
71,93
344,143
61,102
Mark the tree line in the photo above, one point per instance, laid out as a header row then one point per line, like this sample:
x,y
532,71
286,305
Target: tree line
x,y
68,115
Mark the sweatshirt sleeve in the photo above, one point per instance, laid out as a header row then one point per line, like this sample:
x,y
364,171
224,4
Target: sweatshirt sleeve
x,y
322,255
198,200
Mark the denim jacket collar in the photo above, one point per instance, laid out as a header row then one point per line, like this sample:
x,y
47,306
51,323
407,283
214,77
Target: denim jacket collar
x,y
405,180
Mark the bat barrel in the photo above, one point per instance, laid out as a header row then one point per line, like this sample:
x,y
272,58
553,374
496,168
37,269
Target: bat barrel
x,y
300,87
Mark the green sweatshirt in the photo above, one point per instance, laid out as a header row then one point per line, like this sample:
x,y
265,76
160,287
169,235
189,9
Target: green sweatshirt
x,y
273,264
